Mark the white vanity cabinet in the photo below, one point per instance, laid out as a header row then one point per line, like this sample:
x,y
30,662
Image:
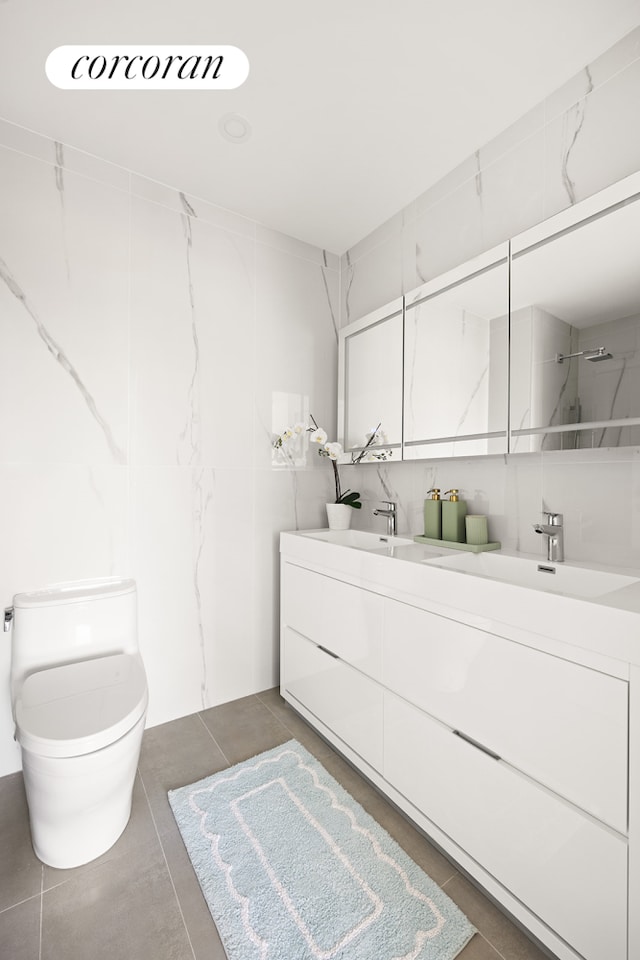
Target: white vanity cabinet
x,y
562,724
513,758
331,656
569,870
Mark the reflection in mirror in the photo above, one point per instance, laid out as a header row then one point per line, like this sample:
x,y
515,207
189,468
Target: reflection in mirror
x,y
575,334
455,377
370,394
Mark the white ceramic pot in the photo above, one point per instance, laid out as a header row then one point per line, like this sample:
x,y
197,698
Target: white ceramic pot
x,y
339,516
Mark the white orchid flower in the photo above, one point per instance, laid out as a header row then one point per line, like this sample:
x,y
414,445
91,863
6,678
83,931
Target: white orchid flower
x,y
319,436
376,437
334,450
299,428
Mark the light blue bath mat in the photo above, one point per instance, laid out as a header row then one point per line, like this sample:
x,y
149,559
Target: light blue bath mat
x,y
294,869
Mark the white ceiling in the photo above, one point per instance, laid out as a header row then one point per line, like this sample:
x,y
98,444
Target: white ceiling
x,y
356,106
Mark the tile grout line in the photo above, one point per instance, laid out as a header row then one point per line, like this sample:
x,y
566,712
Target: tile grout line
x,y
489,944
41,911
456,873
173,886
20,902
228,762
493,946
478,931
276,717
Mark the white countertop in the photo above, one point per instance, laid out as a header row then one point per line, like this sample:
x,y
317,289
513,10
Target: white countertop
x,y
594,630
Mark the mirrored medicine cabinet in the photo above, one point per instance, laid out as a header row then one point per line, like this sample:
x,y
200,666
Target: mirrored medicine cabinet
x,y
370,379
534,345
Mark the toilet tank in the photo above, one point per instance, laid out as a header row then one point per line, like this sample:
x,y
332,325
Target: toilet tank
x,y
70,622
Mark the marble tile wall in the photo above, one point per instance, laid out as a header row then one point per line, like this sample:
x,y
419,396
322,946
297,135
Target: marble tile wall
x,y
145,335
579,140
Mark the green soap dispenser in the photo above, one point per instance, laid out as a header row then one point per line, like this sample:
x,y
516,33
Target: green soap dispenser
x,y
433,515
454,511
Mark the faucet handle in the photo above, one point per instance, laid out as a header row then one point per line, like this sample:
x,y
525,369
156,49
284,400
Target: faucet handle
x,y
390,503
554,519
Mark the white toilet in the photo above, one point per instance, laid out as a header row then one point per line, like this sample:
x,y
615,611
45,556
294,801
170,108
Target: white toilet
x,y
79,698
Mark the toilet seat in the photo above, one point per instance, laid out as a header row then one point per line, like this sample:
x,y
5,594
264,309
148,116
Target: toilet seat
x,y
78,708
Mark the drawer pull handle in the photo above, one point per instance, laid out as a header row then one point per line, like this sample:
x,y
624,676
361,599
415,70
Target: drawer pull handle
x,y
330,652
474,743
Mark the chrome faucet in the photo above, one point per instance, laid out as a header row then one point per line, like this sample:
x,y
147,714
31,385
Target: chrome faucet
x,y
392,517
554,531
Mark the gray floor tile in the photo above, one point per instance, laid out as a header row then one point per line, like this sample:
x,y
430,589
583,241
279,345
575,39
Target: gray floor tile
x,y
120,910
174,754
244,728
202,930
20,869
501,933
20,931
134,901
298,727
479,949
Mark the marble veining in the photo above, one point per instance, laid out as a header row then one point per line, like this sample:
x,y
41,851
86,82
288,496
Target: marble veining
x,y
187,207
108,527
323,270
203,482
351,274
59,175
419,272
555,411
478,175
610,415
579,112
60,356
59,169
389,494
525,419
465,413
189,439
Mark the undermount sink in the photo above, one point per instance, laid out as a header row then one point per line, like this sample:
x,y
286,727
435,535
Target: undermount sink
x,y
550,577
359,539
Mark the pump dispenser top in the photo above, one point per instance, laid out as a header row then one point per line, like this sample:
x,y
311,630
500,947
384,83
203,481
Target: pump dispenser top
x,y
453,513
433,514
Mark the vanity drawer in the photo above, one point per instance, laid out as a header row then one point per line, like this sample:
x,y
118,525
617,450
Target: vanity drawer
x,y
569,870
345,619
341,697
563,724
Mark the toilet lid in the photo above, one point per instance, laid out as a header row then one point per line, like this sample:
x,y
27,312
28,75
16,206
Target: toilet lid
x,y
79,708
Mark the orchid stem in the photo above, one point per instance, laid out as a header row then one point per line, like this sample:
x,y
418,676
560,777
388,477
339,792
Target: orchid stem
x,y
337,479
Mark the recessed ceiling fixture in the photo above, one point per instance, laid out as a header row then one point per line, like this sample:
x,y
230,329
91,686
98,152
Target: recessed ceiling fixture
x,y
234,128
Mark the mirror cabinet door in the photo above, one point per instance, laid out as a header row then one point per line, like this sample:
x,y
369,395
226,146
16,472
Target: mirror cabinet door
x,y
544,357
370,381
455,361
575,327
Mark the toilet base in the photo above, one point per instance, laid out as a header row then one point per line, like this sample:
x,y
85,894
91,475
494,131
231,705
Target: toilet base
x,y
79,806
